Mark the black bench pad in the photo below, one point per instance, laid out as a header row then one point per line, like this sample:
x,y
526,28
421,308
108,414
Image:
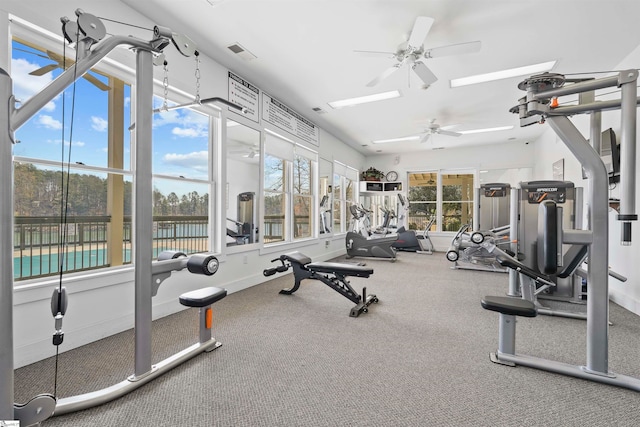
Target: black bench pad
x,y
338,268
297,257
510,305
202,297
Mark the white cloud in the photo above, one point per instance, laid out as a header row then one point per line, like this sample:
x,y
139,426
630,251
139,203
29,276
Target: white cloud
x,y
186,123
26,85
49,122
189,132
99,124
197,160
165,118
57,142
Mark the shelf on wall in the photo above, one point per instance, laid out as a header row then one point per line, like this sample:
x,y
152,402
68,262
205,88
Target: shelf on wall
x,y
380,186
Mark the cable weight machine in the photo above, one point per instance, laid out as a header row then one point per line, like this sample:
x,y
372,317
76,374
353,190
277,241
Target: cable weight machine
x,y
87,32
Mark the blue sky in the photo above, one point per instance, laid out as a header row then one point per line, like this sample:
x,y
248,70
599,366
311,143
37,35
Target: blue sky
x,y
180,137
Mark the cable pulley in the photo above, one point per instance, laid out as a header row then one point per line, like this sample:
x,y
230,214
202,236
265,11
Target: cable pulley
x,y
59,304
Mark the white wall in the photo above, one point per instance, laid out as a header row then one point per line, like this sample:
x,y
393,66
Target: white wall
x,y
488,157
101,304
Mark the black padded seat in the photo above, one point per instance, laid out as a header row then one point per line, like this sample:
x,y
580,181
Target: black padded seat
x,y
510,305
297,257
202,297
342,269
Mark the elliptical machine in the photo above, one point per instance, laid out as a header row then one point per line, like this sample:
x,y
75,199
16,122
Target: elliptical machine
x,y
324,210
409,240
359,243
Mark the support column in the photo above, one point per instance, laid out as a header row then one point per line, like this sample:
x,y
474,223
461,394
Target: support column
x,y
115,182
143,212
6,254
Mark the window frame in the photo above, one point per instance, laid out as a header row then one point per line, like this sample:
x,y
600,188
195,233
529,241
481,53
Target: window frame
x,y
287,151
440,173
22,32
346,176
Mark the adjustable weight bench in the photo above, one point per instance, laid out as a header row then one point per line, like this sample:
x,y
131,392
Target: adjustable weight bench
x,y
332,274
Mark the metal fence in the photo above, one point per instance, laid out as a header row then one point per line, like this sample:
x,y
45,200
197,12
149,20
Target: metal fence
x,y
85,245
84,242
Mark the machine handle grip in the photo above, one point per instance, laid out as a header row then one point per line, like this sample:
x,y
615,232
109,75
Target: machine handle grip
x,y
271,271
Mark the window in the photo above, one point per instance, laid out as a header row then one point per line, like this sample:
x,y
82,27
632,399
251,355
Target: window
x,y
302,197
89,169
181,183
423,200
325,190
275,199
344,195
243,184
447,196
92,165
457,200
289,190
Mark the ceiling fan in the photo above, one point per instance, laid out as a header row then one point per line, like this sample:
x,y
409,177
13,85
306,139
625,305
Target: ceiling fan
x,y
242,149
58,63
435,128
412,51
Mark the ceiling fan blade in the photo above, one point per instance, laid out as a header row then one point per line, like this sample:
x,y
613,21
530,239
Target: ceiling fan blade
x,y
425,74
425,137
453,49
420,30
448,133
56,57
96,82
44,70
449,127
375,53
386,73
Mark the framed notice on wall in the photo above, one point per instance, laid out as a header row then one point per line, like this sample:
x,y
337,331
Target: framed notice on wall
x,y
246,95
283,117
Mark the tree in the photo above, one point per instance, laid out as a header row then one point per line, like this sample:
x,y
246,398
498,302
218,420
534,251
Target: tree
x,y
173,201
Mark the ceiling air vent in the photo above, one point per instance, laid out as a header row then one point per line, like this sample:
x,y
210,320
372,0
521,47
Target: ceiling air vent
x,y
241,52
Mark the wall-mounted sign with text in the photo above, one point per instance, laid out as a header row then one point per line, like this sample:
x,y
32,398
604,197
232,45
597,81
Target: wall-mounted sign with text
x,y
283,117
246,95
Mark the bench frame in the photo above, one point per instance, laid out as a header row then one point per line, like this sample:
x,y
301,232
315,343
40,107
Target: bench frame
x,y
331,274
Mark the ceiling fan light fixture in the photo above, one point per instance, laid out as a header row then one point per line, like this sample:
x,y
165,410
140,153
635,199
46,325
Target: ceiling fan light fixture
x,y
350,102
405,138
503,74
495,129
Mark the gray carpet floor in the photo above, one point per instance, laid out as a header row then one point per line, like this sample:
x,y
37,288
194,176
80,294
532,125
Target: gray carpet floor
x,y
420,357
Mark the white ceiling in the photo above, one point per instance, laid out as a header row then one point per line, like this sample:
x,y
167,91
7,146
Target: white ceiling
x,y
305,56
